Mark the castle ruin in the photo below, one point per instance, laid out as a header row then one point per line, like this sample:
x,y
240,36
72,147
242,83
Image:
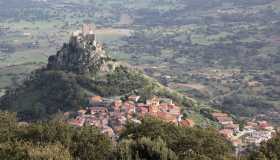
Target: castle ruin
x,y
82,54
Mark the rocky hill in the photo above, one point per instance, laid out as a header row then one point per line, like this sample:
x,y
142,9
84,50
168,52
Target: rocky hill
x,y
83,54
80,69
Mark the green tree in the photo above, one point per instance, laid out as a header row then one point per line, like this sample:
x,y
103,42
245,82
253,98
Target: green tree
x,y
29,151
183,141
8,126
89,144
83,143
144,149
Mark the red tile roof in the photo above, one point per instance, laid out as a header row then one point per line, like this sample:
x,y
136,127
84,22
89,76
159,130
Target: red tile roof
x,y
227,133
77,122
224,119
98,109
96,99
219,114
187,123
166,117
142,109
231,126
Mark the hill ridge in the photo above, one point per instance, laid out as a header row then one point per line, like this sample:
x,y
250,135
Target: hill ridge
x,y
79,70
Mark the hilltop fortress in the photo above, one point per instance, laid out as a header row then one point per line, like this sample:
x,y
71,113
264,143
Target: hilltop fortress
x,y
83,54
87,38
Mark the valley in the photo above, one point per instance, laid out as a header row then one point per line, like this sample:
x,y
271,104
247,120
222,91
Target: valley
x,y
213,52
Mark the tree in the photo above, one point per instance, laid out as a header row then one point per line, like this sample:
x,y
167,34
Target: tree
x,y
257,156
201,142
144,149
8,126
89,144
51,140
29,151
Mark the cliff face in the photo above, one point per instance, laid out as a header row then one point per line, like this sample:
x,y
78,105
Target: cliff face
x,y
81,55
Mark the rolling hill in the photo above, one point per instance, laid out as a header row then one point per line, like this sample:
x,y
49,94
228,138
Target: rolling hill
x,y
80,69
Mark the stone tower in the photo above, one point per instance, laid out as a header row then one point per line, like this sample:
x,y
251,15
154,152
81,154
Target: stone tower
x,y
153,104
88,29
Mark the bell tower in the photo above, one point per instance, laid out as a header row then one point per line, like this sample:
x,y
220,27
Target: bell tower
x,y
153,104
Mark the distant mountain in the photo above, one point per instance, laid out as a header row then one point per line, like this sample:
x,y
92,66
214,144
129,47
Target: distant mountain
x,y
80,69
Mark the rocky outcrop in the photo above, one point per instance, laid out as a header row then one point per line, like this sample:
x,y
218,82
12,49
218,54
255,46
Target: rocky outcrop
x,y
83,54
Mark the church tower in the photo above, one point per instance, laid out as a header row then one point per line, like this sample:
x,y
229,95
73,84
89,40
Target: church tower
x,y
153,104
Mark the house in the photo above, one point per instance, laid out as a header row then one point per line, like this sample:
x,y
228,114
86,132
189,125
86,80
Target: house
x,y
219,114
252,124
234,127
142,110
163,107
117,105
129,107
79,121
94,110
269,128
117,119
236,142
104,121
134,98
256,137
93,121
142,105
82,112
174,109
187,123
107,102
263,124
171,108
227,133
95,99
115,115
225,120
167,117
249,129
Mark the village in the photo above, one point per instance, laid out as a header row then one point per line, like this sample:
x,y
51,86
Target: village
x,y
110,115
250,134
